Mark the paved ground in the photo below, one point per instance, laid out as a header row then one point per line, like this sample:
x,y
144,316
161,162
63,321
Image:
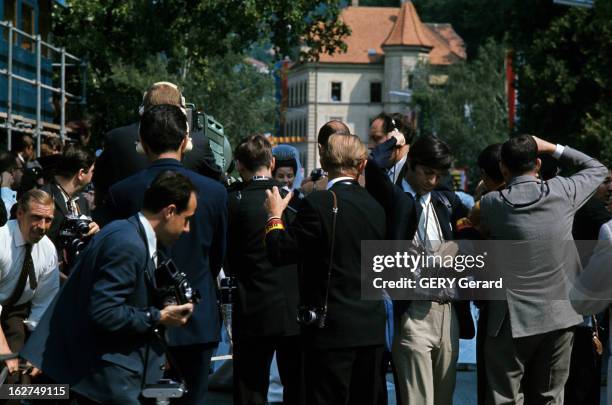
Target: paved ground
x,y
465,392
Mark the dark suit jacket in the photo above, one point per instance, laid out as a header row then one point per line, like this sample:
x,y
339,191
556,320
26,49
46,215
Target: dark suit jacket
x,y
352,322
61,210
267,294
100,317
402,220
199,253
119,159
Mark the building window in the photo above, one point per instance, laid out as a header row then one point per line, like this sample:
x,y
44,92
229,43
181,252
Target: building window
x,y
411,81
305,92
28,15
375,92
336,91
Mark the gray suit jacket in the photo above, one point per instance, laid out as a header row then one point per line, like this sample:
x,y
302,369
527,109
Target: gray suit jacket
x,y
551,264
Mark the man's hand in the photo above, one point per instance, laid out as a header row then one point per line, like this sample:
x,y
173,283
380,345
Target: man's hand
x,y
176,315
399,137
6,180
544,147
93,229
275,204
31,370
13,365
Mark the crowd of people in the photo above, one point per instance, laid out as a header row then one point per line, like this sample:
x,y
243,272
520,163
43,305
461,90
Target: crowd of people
x,y
83,302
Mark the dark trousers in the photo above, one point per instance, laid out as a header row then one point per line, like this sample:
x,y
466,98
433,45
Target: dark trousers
x,y
343,376
583,383
15,333
252,360
194,364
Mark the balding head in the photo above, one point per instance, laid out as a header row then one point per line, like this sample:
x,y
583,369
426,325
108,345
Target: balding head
x,y
332,128
162,93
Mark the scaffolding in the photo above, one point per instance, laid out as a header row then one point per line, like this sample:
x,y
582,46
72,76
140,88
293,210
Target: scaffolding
x,y
14,122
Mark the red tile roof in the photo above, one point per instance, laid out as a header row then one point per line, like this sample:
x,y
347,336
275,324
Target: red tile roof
x,y
375,27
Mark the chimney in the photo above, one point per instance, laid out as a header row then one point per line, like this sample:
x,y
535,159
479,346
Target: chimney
x,y
355,3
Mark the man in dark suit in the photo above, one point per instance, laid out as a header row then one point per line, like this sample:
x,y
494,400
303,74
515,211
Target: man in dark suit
x,y
264,319
72,174
344,346
199,254
119,159
380,131
97,335
425,362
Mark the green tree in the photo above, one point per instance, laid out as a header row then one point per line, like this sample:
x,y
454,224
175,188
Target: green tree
x,y
469,111
129,43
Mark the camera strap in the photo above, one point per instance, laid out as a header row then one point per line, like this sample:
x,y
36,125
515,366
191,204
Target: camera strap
x,y
331,249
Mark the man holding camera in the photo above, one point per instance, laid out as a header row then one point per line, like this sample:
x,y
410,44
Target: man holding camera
x,y
98,335
264,319
73,173
28,270
343,335
164,139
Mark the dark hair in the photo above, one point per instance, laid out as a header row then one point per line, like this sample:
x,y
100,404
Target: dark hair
x,y
22,142
330,128
285,163
74,159
7,161
431,152
488,161
168,188
402,124
163,127
254,152
519,154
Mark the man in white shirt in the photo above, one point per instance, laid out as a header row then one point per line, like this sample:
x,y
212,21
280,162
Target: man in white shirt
x,y
29,275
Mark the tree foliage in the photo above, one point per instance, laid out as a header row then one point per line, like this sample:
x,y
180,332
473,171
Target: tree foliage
x,y
469,111
129,44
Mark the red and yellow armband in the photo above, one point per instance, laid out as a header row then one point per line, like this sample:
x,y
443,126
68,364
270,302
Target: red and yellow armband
x,y
273,224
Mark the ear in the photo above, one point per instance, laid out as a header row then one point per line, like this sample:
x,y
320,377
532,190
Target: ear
x,y
362,165
169,211
273,164
538,165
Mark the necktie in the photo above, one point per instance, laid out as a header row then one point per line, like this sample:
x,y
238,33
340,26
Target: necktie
x,y
27,271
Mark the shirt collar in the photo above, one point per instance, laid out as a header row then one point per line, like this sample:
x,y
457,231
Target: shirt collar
x,y
17,236
150,234
408,189
337,179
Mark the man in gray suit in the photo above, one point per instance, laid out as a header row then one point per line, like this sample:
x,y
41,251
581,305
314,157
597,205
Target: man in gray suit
x,y
531,336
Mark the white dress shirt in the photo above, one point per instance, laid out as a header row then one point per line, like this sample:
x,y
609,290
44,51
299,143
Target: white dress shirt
x,y
428,232
337,179
9,198
12,255
394,171
151,238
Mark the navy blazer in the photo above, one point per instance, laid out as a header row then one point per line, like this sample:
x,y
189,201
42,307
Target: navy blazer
x,y
103,315
199,253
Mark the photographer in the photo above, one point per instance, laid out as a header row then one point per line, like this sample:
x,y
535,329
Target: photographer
x,y
264,320
97,334
73,173
343,335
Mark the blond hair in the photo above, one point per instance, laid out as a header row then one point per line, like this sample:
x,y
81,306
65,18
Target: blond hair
x,y
343,154
163,93
35,195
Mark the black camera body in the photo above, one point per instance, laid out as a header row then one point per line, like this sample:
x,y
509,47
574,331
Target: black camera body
x,y
312,316
172,286
72,233
316,174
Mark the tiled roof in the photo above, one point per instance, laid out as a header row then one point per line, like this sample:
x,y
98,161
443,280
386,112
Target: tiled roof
x,y
375,27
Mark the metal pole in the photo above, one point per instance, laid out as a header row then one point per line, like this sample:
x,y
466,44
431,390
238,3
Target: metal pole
x,y
38,96
63,97
9,98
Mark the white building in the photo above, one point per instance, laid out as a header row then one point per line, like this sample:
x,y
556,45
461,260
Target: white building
x,y
385,45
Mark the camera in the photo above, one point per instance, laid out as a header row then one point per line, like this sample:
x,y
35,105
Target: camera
x,y
312,316
227,290
72,235
316,174
172,286
163,391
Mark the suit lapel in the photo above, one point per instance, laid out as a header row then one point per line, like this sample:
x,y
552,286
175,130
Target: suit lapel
x,y
58,197
443,214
